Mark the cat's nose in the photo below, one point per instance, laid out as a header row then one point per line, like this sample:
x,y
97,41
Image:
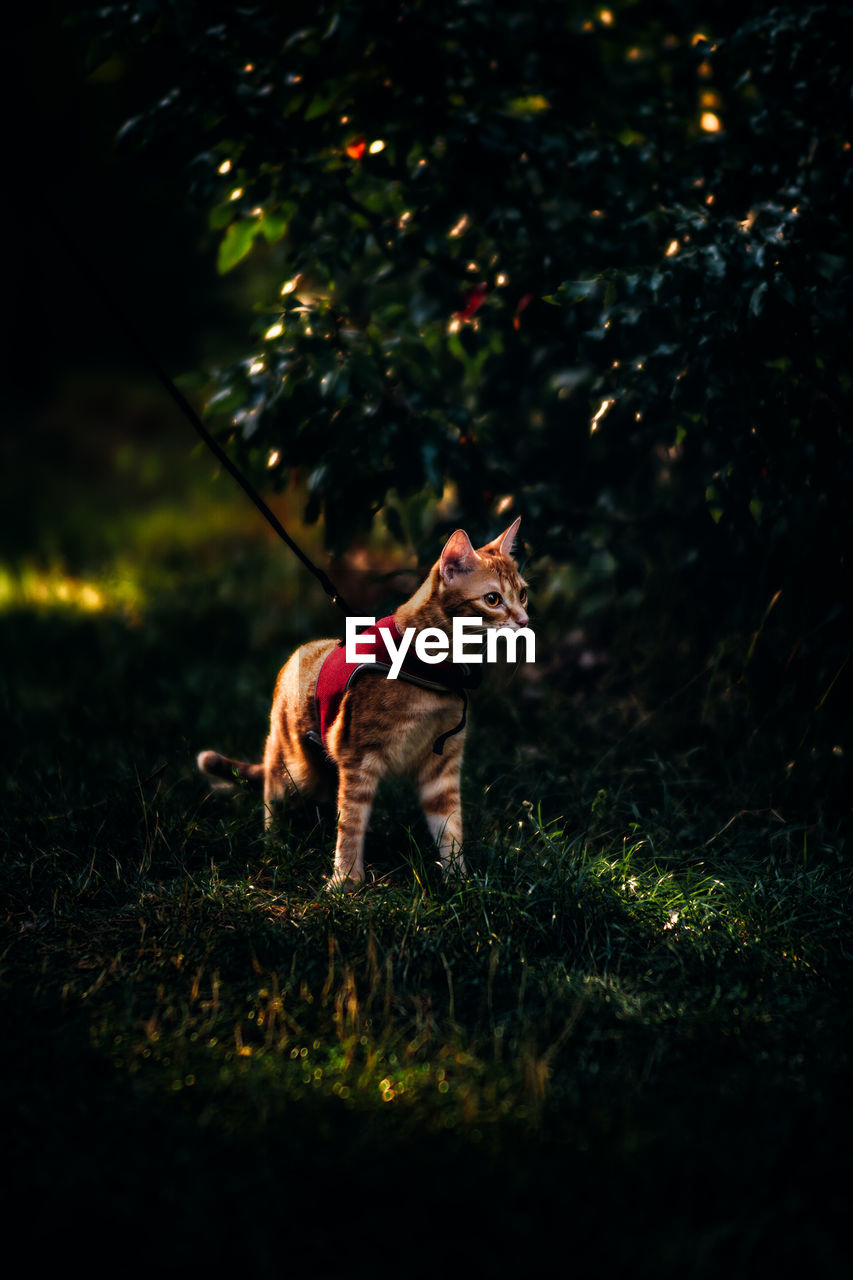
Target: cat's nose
x,y
522,620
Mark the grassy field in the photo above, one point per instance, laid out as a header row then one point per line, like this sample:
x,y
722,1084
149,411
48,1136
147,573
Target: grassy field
x,y
625,1037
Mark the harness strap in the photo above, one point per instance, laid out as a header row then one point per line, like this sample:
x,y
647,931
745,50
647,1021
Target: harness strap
x,y
337,675
438,745
314,738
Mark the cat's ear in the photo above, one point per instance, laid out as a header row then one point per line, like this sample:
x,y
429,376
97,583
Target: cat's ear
x,y
458,556
503,543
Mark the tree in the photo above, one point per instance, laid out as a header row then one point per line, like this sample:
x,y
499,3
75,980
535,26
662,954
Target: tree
x,y
591,264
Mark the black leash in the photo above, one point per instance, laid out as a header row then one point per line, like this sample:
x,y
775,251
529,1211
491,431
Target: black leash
x,y
221,456
195,421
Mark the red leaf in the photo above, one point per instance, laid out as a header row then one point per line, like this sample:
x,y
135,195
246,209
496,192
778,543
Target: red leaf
x,y
473,302
356,148
523,302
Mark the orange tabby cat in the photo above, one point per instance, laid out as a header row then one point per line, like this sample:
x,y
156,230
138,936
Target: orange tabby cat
x,y
382,726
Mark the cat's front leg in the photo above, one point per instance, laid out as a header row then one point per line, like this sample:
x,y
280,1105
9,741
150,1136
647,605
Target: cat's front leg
x,y
439,790
356,793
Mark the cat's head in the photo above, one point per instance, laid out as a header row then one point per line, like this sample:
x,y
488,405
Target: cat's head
x,y
483,583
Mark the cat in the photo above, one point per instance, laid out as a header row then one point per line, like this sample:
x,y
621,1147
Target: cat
x,y
376,726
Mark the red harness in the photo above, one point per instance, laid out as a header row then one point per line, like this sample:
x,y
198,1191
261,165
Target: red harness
x,y
337,675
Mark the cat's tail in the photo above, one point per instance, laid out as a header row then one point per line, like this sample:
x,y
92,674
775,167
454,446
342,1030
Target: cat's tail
x,y
227,773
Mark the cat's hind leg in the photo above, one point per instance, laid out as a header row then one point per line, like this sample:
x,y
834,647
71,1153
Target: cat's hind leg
x,y
292,772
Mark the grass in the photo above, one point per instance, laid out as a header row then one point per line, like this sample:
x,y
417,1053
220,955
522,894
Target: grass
x,y
625,1036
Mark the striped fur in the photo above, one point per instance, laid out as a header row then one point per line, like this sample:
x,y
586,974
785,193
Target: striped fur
x,y
385,727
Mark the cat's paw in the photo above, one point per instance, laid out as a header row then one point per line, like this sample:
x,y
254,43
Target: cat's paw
x,y
344,884
455,869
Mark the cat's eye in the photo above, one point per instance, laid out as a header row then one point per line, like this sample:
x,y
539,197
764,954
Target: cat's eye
x,y
492,598
522,596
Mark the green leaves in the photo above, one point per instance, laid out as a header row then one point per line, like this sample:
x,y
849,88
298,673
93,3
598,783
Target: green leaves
x,y
239,236
236,243
273,226
496,223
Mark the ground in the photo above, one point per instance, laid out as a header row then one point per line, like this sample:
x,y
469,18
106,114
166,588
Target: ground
x,y
624,1035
